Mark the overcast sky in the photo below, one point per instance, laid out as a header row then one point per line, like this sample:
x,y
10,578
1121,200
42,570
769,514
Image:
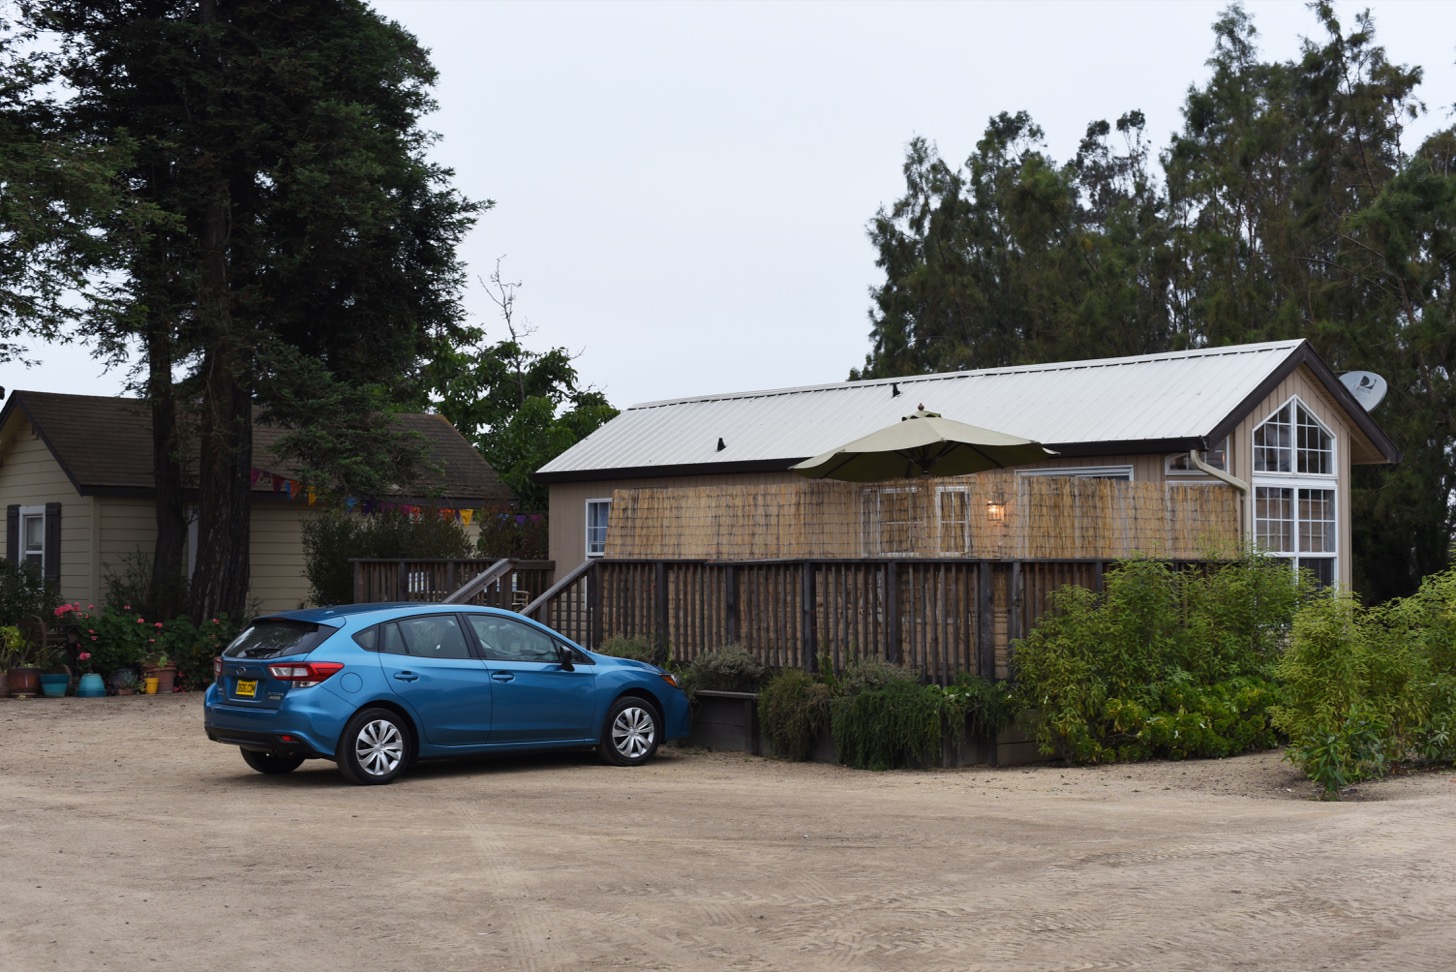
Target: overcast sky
x,y
682,189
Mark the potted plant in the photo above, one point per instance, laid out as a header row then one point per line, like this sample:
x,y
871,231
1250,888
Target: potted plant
x,y
160,667
29,657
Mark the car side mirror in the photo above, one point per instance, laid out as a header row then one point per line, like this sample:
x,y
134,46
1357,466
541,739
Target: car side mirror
x,y
564,653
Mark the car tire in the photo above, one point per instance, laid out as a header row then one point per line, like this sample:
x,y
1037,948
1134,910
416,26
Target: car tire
x,y
631,732
374,748
272,764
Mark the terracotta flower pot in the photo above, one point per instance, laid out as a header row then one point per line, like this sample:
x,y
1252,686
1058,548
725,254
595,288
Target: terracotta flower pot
x,y
166,676
24,682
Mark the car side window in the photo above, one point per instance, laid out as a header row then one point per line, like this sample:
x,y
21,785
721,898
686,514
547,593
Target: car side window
x,y
433,636
507,640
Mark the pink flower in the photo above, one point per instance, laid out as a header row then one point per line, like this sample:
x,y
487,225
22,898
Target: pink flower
x,y
84,656
157,625
140,621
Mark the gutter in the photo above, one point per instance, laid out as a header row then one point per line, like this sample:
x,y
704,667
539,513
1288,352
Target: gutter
x,y
1236,483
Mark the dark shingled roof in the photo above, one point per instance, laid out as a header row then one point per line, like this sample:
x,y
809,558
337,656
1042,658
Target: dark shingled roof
x,y
104,446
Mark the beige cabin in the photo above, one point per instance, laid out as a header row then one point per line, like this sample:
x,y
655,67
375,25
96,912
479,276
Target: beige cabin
x,y
76,484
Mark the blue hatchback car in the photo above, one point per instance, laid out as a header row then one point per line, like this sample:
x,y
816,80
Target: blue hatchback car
x,y
375,687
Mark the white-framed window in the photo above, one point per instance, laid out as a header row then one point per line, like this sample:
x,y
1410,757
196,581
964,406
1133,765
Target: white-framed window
x,y
1178,464
953,519
32,536
598,511
1294,441
890,521
1296,515
1086,472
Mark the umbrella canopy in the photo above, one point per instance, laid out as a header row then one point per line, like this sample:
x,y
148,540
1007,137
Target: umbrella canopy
x,y
923,444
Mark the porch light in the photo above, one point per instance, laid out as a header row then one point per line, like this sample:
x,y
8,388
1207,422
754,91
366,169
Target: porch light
x,y
996,508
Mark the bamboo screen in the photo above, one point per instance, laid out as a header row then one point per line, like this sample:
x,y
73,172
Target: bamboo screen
x,y
995,515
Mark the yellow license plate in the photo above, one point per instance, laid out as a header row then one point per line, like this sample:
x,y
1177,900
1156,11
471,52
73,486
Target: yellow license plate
x,y
247,689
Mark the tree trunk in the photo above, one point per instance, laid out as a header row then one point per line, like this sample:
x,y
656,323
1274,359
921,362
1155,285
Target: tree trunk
x,y
166,595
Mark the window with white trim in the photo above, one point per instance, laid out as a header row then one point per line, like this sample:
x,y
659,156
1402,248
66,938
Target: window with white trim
x,y
953,519
597,513
1295,511
1179,464
890,521
32,536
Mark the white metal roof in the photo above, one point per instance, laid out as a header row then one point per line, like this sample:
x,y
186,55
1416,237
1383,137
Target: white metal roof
x,y
1157,398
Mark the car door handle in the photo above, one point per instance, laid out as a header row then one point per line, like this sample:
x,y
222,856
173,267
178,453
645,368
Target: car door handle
x,y
406,676
503,676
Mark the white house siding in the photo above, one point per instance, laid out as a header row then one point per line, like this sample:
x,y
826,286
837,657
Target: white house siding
x,y
30,476
278,583
127,530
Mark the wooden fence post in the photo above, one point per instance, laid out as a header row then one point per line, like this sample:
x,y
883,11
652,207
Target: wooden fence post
x,y
985,623
660,606
730,604
808,632
892,612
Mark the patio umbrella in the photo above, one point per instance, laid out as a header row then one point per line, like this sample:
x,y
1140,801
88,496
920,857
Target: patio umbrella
x,y
923,444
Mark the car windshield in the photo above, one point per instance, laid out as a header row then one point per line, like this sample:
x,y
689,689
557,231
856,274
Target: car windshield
x,y
272,637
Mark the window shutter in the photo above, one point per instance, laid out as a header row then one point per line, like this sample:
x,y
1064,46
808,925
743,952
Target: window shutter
x,y
12,533
53,542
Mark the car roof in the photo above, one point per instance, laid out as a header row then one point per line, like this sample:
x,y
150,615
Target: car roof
x,y
338,613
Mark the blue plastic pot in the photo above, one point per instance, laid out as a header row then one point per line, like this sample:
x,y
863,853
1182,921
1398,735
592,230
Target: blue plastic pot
x,y
54,686
91,686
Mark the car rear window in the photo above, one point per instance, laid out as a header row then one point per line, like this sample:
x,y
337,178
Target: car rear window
x,y
272,637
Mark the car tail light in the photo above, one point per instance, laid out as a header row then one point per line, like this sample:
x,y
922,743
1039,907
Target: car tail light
x,y
217,669
302,675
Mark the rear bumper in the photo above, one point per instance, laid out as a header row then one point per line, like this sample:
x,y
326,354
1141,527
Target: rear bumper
x,y
282,744
296,727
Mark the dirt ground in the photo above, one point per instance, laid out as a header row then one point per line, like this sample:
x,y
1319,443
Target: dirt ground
x,y
131,842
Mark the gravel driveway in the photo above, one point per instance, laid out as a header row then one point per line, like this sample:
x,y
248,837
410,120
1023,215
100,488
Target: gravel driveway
x,y
131,842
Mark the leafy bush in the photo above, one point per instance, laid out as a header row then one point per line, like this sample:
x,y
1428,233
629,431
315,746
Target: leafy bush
x,y
504,533
728,669
331,540
1163,663
793,708
978,706
192,647
25,594
638,648
897,725
1365,690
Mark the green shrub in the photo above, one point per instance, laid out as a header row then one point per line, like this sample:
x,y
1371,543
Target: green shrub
x,y
793,708
728,669
332,539
1365,689
192,648
977,706
25,594
639,648
868,674
1163,663
896,726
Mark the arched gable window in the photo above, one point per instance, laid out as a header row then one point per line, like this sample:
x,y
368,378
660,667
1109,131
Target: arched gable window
x,y
1295,515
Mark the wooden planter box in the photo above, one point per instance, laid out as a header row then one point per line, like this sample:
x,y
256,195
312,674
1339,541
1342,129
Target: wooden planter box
x,y
728,722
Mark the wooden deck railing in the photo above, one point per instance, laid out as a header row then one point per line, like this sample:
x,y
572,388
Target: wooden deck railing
x,y
511,586
942,617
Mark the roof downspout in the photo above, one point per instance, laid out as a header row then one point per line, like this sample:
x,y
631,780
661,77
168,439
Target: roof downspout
x,y
1236,483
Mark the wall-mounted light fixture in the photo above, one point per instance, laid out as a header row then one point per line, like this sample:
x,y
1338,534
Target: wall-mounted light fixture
x,y
996,507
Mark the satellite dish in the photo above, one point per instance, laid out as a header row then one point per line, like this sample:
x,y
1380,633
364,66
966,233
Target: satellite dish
x,y
1367,387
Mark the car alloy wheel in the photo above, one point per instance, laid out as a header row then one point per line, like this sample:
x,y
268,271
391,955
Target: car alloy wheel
x,y
632,732
374,747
